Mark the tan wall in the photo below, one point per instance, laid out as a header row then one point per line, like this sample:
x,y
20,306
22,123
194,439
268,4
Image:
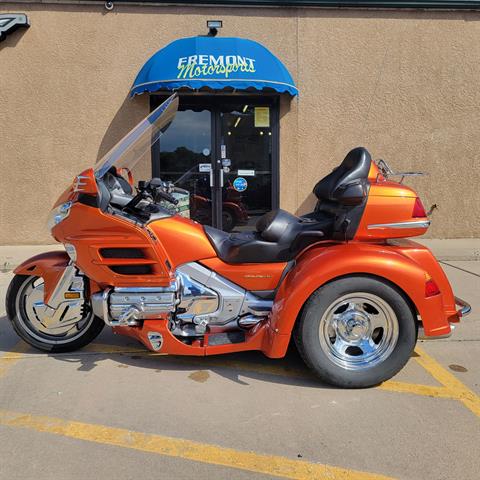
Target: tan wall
x,y
404,84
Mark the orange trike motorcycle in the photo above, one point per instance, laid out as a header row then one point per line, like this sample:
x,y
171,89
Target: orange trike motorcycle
x,y
342,281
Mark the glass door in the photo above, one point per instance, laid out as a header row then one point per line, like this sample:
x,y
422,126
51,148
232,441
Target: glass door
x,y
246,158
223,150
184,157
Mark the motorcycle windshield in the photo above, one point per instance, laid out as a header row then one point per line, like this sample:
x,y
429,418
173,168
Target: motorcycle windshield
x,y
130,149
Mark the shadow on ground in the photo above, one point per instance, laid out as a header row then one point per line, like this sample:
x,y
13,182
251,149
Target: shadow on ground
x,y
236,367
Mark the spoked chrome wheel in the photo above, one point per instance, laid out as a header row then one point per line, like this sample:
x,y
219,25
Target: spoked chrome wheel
x,y
35,318
358,331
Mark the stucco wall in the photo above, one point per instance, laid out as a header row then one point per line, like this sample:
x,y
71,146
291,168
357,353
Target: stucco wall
x,y
403,84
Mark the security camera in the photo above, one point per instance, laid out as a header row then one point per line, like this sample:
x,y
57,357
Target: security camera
x,y
109,5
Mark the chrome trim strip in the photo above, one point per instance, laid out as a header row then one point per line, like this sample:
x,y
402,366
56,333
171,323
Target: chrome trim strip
x,y
171,288
62,286
413,224
466,308
106,315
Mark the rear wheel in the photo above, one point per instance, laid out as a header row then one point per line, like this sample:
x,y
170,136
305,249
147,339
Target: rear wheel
x,y
356,332
26,311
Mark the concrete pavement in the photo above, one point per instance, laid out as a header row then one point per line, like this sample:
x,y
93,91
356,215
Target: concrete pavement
x,y
113,410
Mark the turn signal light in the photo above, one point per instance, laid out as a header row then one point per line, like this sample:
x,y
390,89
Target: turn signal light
x,y
419,209
71,295
431,288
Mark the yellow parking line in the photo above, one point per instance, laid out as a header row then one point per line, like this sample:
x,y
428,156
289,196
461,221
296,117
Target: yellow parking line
x,y
10,358
416,389
449,381
185,449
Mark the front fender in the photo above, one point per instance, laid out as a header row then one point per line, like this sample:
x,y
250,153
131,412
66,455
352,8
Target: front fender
x,y
323,264
49,266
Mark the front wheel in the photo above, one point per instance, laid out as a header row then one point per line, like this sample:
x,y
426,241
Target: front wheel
x,y
30,319
228,221
356,332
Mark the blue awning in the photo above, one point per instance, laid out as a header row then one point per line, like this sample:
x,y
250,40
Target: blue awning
x,y
215,63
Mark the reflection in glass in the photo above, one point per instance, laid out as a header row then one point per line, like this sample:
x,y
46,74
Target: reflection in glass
x,y
242,140
185,155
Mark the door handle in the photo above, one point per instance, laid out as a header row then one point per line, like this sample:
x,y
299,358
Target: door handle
x,y
211,178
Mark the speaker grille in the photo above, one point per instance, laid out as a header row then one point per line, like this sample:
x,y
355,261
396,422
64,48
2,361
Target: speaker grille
x,y
121,253
132,269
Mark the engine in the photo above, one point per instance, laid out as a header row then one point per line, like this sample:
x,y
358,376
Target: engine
x,y
199,300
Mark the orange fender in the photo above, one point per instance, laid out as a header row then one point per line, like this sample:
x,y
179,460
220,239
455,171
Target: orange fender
x,y
395,263
49,266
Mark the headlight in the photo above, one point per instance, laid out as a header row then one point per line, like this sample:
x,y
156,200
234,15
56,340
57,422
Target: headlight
x,y
58,214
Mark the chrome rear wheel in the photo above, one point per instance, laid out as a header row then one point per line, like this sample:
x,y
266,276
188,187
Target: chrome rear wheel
x,y
359,330
356,331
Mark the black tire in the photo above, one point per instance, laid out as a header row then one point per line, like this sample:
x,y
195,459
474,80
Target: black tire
x,y
53,346
307,333
228,221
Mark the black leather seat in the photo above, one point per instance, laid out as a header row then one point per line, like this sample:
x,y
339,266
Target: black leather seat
x,y
280,236
347,183
343,193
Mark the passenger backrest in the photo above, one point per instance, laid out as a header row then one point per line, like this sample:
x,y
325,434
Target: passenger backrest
x,y
347,184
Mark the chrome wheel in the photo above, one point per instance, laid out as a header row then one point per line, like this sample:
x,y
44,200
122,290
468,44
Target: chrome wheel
x,y
358,331
34,316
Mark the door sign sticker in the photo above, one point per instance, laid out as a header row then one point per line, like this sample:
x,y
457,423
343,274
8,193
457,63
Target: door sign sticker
x,y
204,167
240,184
223,151
262,117
246,173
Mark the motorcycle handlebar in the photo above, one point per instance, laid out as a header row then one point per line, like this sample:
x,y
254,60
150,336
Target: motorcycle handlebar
x,y
166,196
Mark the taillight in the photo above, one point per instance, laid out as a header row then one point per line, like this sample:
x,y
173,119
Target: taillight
x,y
431,288
418,209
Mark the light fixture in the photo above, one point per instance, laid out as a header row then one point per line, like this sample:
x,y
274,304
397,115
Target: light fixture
x,y
245,108
237,122
9,22
213,27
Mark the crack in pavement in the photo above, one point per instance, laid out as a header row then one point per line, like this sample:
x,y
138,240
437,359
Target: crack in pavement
x,y
459,268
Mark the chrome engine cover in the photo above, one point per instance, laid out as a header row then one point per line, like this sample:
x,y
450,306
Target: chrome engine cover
x,y
149,302
199,297
127,305
218,300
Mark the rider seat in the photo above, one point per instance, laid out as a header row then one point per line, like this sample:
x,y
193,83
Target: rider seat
x,y
281,236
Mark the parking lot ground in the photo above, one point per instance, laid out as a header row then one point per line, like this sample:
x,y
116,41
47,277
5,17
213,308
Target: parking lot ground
x,y
114,410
